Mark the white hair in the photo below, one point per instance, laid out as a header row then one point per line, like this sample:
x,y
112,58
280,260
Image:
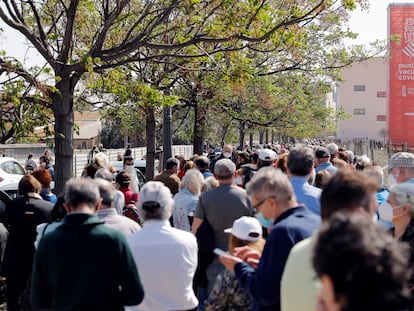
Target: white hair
x,y
193,181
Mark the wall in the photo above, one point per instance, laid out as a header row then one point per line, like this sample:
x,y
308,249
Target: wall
x,y
367,107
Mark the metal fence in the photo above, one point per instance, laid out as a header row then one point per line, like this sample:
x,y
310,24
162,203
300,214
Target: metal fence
x,y
80,157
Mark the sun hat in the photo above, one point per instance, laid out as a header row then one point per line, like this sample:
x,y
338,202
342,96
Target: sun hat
x,y
401,159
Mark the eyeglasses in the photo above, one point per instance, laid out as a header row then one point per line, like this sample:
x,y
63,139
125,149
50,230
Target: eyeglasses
x,y
255,207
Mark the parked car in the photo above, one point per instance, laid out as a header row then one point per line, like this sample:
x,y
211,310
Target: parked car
x,y
4,198
140,166
11,171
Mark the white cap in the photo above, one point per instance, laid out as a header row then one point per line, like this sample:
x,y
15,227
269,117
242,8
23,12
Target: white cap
x,y
267,155
246,228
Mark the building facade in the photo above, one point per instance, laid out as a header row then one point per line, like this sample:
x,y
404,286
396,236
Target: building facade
x,y
363,95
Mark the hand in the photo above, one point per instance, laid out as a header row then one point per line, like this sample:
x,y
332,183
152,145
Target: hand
x,y
248,254
229,261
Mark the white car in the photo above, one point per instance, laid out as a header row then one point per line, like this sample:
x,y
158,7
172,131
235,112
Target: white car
x,y
11,171
140,166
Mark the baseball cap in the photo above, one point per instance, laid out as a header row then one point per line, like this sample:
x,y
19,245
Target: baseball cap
x,y
224,168
246,228
401,159
267,155
322,152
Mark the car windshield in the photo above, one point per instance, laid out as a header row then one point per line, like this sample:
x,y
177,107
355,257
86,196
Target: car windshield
x,y
12,167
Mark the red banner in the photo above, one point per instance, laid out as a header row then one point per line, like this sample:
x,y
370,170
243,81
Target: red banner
x,y
401,74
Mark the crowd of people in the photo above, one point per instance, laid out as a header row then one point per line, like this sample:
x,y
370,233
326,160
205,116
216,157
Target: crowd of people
x,y
303,227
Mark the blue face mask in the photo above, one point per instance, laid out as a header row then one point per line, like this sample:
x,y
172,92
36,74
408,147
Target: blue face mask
x,y
267,223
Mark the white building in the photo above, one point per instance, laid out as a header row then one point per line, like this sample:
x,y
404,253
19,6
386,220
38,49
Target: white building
x,y
363,95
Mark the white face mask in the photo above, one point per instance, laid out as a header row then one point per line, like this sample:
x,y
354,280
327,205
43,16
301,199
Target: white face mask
x,y
392,180
238,180
227,155
385,211
129,168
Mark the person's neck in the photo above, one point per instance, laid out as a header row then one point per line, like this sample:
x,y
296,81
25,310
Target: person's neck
x,y
226,181
400,224
285,207
83,208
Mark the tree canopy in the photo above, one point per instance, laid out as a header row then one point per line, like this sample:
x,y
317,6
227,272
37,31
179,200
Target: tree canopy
x,y
80,37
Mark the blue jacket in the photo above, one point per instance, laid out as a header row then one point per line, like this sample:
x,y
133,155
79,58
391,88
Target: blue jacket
x,y
263,284
307,194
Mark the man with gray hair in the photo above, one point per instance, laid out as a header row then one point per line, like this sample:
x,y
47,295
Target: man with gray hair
x,y
271,192
108,214
300,163
84,265
119,200
166,256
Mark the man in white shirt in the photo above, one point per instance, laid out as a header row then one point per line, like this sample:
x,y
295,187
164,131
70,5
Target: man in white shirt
x,y
166,257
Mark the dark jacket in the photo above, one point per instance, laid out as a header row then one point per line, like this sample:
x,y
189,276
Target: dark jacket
x,y
21,217
84,265
263,284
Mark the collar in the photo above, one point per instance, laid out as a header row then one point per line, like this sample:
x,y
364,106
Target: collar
x,y
34,195
106,212
298,180
81,219
156,224
289,212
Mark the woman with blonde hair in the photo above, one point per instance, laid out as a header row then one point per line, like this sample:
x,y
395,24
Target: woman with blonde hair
x,y
227,293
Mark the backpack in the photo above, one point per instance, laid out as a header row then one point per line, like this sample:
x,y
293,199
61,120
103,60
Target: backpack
x,y
131,212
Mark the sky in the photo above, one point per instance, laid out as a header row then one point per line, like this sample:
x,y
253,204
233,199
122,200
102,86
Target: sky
x,y
370,25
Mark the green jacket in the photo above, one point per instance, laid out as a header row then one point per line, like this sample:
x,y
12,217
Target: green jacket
x,y
83,265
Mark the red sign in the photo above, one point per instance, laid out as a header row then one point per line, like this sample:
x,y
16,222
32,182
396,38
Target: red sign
x,y
401,74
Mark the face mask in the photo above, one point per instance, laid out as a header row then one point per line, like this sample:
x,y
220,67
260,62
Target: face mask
x,y
392,180
227,155
129,168
267,223
238,180
385,211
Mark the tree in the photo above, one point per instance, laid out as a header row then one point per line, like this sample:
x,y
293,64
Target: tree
x,y
23,104
76,37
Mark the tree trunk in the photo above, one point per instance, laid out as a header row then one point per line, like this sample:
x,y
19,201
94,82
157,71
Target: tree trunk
x,y
150,129
167,129
241,134
167,139
261,134
62,105
199,126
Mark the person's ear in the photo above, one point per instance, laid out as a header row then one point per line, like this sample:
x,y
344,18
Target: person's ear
x,y
67,208
98,204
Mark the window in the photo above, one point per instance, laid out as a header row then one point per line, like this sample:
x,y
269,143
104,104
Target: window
x,y
381,117
359,88
381,94
359,111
